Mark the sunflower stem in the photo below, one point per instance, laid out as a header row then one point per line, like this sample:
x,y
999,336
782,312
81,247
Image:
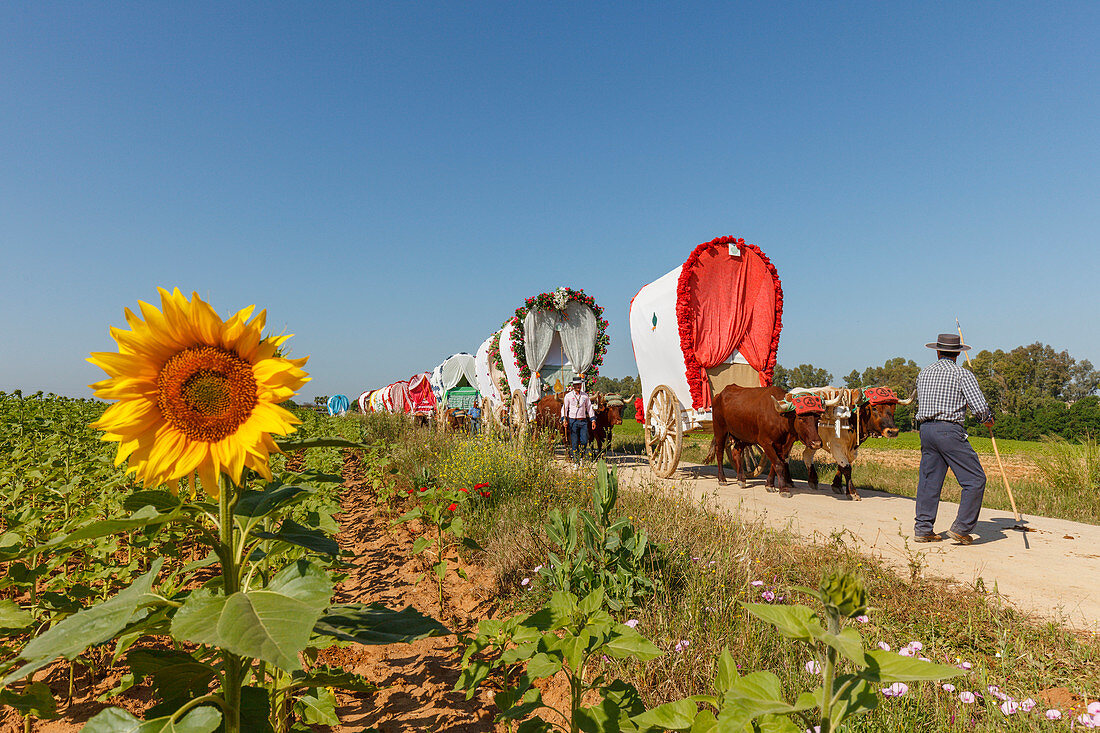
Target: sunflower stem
x,y
231,583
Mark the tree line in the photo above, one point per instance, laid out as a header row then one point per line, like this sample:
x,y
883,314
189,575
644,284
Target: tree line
x,y
1034,390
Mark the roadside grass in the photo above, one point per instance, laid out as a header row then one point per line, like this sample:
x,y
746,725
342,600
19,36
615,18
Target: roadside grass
x,y
710,559
1069,487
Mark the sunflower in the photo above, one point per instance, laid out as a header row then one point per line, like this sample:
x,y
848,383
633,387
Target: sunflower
x,y
195,393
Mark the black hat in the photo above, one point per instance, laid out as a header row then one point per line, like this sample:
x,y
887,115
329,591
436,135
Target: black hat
x,y
577,380
948,342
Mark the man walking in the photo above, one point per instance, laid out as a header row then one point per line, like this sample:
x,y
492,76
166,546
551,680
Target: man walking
x,y
944,392
577,414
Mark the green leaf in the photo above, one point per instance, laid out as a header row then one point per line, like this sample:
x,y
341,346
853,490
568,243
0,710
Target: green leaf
x,y
117,720
862,697
261,503
295,534
778,724
421,544
35,699
273,624
162,501
678,715
86,628
472,675
14,618
256,710
176,676
704,722
144,517
535,724
543,665
319,708
882,666
848,642
629,643
326,676
727,672
376,624
793,622
306,443
573,648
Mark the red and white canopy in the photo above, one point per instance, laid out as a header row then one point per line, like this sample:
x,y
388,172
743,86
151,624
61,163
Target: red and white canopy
x,y
723,305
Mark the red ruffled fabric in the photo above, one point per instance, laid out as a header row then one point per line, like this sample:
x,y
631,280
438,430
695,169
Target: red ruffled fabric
x,y
762,347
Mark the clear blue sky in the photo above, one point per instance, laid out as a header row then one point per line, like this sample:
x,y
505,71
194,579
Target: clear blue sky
x,y
391,180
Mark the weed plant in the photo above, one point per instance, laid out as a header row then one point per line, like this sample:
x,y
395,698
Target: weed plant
x,y
714,561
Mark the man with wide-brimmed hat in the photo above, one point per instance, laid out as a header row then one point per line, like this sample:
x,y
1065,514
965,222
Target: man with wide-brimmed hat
x,y
577,414
944,392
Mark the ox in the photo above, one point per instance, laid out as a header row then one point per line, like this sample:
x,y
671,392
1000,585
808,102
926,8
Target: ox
x,y
859,415
768,417
609,413
548,415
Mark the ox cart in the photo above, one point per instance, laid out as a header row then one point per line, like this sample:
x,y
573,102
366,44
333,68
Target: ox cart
x,y
552,338
711,322
454,383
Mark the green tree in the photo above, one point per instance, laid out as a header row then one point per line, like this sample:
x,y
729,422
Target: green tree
x,y
803,375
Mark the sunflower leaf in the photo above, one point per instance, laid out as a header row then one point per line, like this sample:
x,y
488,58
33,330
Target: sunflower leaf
x,y
295,534
117,720
305,443
272,624
143,517
94,625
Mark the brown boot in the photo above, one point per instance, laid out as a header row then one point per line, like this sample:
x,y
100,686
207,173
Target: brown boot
x,y
928,537
960,539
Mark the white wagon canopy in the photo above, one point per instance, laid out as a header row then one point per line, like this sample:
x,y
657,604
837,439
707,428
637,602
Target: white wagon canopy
x,y
709,323
455,373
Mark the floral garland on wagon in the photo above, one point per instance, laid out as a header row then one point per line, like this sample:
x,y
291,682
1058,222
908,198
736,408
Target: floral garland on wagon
x,y
498,361
556,300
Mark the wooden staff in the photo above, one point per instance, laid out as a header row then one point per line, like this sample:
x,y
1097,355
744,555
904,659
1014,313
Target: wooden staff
x,y
996,452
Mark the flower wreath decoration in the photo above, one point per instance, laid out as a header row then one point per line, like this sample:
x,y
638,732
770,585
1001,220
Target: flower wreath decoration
x,y
685,316
498,361
556,300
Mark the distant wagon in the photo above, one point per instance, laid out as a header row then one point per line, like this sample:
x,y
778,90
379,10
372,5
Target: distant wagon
x,y
454,383
552,338
420,394
709,323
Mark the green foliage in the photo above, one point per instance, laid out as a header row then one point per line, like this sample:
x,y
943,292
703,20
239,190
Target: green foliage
x,y
803,375
511,654
441,510
101,560
591,551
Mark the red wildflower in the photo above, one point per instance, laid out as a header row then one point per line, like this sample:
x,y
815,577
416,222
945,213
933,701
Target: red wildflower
x,y
484,494
465,491
452,507
480,486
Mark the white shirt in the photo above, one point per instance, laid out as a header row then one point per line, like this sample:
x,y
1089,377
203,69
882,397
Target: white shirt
x,y
577,405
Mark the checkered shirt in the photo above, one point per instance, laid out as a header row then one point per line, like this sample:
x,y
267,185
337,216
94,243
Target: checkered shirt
x,y
945,390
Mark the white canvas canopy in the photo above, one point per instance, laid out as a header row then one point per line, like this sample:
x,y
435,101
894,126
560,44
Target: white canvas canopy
x,y
552,340
364,402
376,401
454,370
485,383
655,334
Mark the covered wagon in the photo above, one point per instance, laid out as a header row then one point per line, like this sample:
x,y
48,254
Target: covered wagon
x,y
454,383
420,395
338,404
552,338
709,323
395,397
492,384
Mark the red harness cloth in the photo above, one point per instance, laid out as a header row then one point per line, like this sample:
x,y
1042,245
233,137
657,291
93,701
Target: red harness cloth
x,y
880,396
805,404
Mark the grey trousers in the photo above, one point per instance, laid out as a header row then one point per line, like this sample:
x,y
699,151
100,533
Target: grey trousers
x,y
943,445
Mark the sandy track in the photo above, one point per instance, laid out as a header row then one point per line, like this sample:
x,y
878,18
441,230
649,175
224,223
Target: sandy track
x,y
1050,572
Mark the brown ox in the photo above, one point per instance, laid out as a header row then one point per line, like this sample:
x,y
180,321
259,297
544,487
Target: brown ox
x,y
609,413
761,416
548,415
845,426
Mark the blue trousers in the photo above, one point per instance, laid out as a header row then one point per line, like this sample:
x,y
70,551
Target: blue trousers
x,y
578,437
943,445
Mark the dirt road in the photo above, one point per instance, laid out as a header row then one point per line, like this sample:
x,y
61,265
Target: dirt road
x,y
1052,571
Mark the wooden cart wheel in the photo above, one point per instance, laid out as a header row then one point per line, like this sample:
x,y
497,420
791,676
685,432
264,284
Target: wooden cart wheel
x,y
664,431
518,412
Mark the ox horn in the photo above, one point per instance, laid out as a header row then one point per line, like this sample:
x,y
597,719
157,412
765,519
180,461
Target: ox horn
x,y
833,402
911,397
783,406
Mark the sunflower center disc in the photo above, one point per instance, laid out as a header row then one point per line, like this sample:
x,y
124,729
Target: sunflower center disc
x,y
206,392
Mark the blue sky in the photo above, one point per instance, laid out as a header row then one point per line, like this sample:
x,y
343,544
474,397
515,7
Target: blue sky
x,y
391,180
